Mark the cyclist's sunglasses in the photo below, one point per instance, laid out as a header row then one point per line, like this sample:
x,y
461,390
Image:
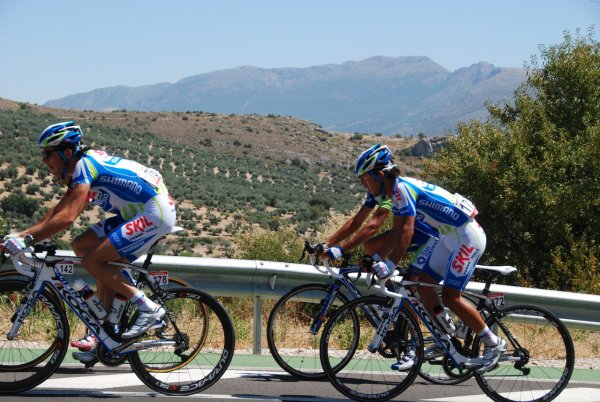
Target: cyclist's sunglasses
x,y
48,154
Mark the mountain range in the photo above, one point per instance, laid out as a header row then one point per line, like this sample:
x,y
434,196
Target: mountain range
x,y
400,95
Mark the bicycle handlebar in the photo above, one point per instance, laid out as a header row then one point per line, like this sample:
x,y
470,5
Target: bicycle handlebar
x,y
314,250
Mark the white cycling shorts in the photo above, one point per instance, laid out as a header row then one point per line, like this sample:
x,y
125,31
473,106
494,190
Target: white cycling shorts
x,y
452,257
133,237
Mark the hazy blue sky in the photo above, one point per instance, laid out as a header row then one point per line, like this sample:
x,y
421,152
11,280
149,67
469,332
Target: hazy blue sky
x,y
53,48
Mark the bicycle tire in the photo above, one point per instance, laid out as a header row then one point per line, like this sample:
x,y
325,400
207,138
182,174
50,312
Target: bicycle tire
x,y
292,345
21,283
113,361
440,370
178,282
34,354
368,376
545,356
209,353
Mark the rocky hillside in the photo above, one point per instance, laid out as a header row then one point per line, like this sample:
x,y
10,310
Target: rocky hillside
x,y
230,174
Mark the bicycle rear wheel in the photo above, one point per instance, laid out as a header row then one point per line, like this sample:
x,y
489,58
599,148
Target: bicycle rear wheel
x,y
539,359
292,345
204,345
368,376
41,344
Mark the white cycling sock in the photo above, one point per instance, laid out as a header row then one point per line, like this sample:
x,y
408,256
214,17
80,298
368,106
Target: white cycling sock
x,y
488,337
142,302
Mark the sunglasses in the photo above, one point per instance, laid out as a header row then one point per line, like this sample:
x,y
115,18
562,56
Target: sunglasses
x,y
48,154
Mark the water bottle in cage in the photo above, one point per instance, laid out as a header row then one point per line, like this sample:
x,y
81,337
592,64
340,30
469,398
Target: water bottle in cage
x,y
90,299
116,312
461,329
444,319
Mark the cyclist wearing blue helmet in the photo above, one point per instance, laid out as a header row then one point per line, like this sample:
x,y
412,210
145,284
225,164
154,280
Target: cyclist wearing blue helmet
x,y
449,257
143,212
355,231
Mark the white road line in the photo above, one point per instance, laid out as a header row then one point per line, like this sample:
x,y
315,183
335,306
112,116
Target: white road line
x,y
568,395
120,380
150,394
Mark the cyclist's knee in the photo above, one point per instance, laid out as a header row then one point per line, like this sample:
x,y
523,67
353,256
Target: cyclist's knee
x,y
84,242
451,298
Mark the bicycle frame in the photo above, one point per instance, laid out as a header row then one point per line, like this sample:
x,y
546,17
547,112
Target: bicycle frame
x,y
449,343
339,279
47,273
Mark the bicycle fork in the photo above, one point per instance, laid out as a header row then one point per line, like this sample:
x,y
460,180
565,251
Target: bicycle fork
x,y
387,319
24,310
326,303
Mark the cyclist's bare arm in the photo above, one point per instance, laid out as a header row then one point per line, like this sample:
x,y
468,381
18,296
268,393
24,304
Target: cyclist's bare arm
x,y
396,245
54,209
62,215
368,230
349,227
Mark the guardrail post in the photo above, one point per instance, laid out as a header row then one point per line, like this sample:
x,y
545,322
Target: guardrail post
x,y
257,326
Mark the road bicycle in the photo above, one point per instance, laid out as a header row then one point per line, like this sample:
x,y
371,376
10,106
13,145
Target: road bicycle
x,y
186,354
296,319
536,366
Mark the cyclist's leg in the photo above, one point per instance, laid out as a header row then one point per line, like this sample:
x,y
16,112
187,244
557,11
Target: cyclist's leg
x,y
467,244
83,244
406,360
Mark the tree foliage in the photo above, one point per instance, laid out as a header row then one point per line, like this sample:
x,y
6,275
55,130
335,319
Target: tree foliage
x,y
533,170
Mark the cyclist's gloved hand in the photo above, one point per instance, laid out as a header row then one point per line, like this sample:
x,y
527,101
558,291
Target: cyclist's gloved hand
x,y
336,252
13,243
383,269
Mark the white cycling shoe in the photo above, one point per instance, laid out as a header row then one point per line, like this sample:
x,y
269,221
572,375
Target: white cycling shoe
x,y
405,362
491,355
144,321
433,352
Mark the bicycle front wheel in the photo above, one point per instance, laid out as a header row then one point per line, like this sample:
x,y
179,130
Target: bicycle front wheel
x,y
204,342
292,345
539,359
41,344
366,375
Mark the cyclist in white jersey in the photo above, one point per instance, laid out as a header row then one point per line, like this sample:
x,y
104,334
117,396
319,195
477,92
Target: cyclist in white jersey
x,y
143,213
449,258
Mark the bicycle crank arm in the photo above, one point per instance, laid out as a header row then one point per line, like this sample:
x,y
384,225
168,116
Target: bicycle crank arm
x,y
144,345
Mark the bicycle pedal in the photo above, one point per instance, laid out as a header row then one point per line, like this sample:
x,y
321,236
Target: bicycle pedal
x,y
473,363
90,364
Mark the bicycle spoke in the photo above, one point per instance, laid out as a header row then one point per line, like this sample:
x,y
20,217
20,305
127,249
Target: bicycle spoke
x,y
368,375
539,359
39,347
293,347
203,348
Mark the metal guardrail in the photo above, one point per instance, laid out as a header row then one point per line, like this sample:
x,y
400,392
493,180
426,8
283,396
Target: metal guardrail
x,y
269,280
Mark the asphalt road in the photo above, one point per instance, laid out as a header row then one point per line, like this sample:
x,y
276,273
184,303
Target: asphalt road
x,y
72,382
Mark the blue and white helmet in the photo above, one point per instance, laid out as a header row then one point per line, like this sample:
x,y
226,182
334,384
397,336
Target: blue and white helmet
x,y
373,159
61,133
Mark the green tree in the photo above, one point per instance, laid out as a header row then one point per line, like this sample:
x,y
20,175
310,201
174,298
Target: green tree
x,y
280,245
533,170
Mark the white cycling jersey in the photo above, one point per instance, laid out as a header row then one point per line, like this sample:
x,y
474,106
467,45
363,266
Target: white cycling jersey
x,y
452,257
134,193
